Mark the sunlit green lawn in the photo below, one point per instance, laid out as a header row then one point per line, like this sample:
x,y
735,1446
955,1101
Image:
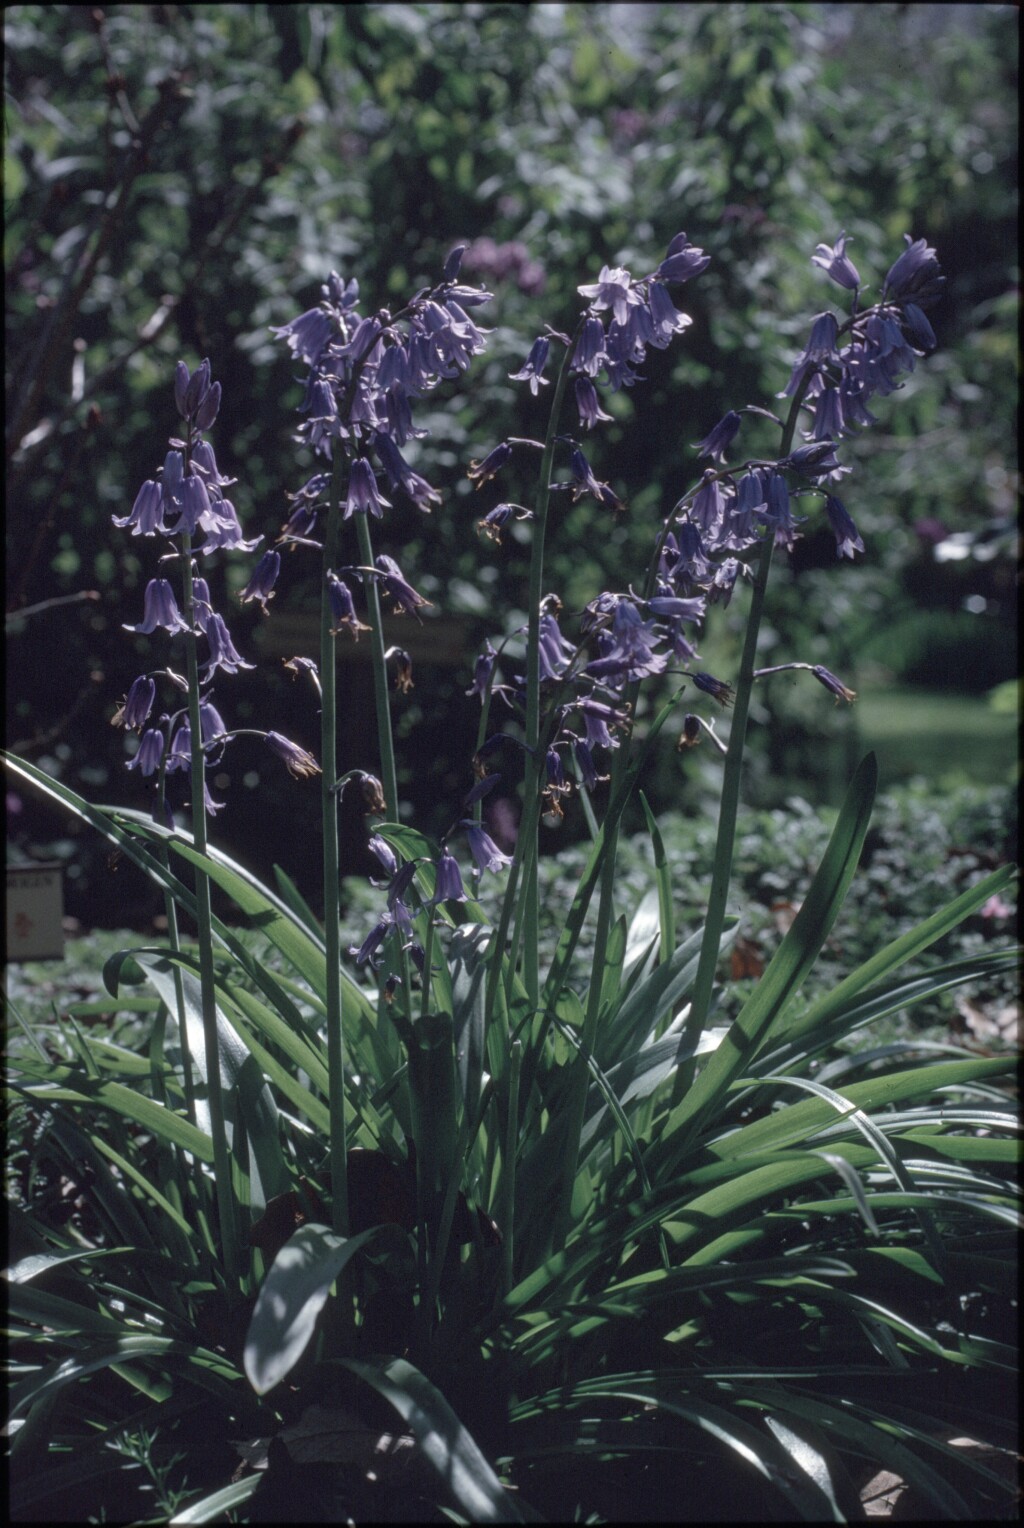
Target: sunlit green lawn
x,y
948,739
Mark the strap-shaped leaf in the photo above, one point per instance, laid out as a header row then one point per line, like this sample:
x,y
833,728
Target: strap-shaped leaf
x,y
468,964
67,1084
293,1295
446,1444
663,881
790,963
248,1103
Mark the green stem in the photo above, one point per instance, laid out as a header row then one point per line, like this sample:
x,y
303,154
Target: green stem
x,y
385,736
506,1212
714,924
727,813
388,772
332,886
221,1159
534,763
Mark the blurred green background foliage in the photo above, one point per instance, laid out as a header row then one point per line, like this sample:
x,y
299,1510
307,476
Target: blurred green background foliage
x,y
178,179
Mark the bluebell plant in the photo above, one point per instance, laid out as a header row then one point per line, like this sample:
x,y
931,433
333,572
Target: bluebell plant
x,y
621,1185
569,703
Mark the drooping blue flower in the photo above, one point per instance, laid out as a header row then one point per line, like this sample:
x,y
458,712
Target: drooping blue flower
x,y
682,261
384,852
149,753
193,502
708,507
202,609
306,335
138,703
583,479
716,688
847,537
211,723
484,850
555,770
212,806
833,685
403,668
298,761
691,565
449,887
922,335
179,755
815,460
631,653
854,395
495,520
672,608
532,370
401,475
196,388
666,318
589,354
829,422
482,472
458,340
820,352
613,289
222,649
717,443
750,502
373,941
343,610
837,263
585,763
261,585
146,518
554,652
402,594
482,671
915,274
622,355
724,581
300,523
206,413
588,403
205,462
223,530
780,516
159,609
598,717
363,493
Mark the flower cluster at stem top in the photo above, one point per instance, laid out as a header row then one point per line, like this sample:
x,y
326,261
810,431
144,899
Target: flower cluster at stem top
x,y
624,636
185,500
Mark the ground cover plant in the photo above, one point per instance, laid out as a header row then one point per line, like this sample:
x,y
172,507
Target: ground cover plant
x,y
443,1222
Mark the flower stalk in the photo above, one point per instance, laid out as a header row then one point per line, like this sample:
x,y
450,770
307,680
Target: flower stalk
x,y
332,885
204,919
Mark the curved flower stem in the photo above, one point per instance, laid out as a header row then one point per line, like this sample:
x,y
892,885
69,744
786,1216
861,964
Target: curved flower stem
x,y
388,772
382,704
204,919
534,763
206,1240
332,911
726,838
